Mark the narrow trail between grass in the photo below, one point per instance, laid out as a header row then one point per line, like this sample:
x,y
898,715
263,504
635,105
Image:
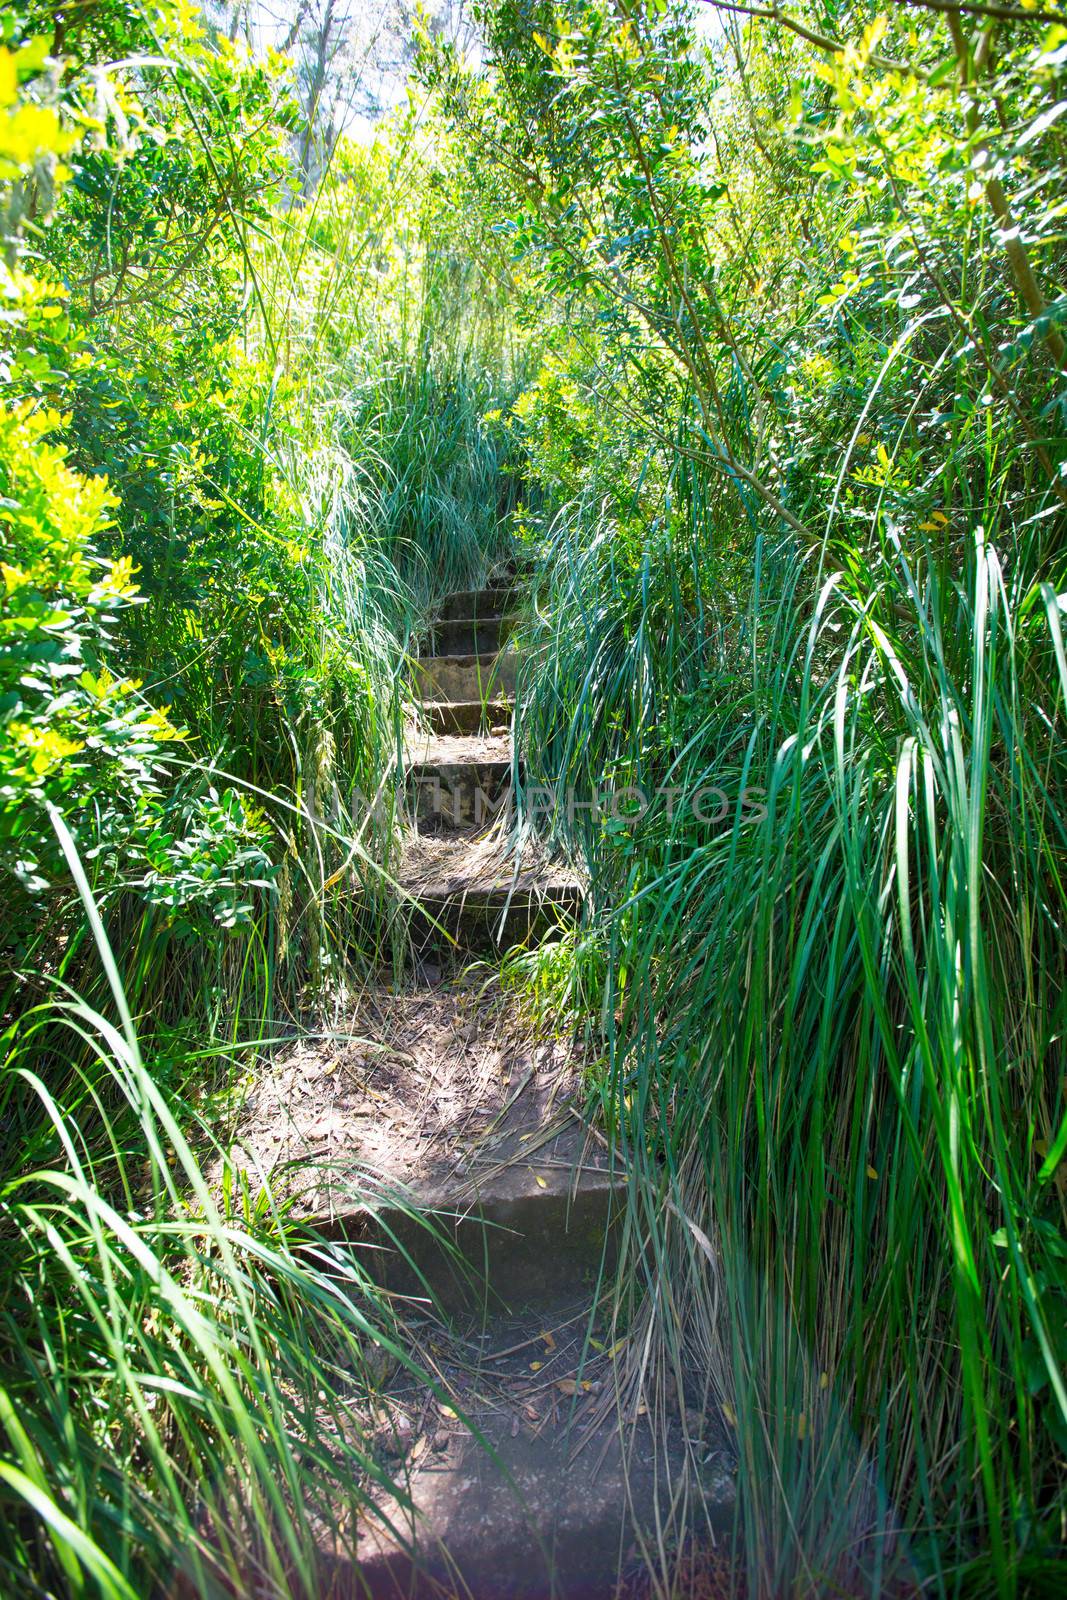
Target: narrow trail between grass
x,y
539,1478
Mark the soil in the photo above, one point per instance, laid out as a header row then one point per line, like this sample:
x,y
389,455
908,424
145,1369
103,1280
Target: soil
x,y
447,864
409,1093
454,750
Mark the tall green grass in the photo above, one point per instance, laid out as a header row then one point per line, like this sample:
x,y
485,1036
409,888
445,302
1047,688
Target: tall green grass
x,y
831,1031
800,428
180,1358
443,499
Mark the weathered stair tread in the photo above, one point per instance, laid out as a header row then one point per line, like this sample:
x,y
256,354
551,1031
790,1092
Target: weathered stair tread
x,y
467,676
485,604
467,716
457,780
464,890
466,635
456,750
510,1232
462,1114
435,869
523,1525
555,1504
426,1089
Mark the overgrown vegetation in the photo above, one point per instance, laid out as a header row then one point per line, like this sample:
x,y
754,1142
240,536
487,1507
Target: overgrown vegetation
x,y
238,433
752,323
799,287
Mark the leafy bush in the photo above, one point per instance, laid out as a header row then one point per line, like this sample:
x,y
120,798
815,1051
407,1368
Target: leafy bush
x,y
71,732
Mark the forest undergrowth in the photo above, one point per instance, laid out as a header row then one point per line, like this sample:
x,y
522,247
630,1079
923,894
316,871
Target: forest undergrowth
x,y
749,326
242,449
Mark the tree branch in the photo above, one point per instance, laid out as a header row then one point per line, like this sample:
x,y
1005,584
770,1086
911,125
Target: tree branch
x,y
822,41
1018,260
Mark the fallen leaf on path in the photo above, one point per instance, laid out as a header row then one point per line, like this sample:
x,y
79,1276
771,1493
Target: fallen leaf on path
x,y
550,1343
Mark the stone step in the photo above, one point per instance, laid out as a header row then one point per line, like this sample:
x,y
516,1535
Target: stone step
x,y
516,1518
467,716
511,1239
458,781
467,677
480,922
551,1496
463,636
485,604
510,1234
465,891
522,1197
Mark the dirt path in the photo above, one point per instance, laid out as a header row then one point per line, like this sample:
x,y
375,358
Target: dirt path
x,y
528,1471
